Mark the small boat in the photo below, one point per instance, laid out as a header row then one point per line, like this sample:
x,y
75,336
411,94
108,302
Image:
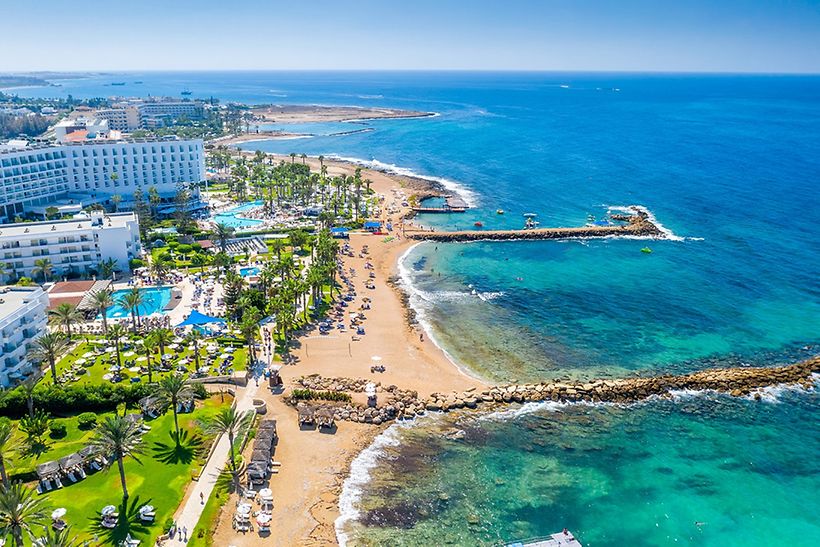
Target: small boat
x,y
530,215
117,83
499,211
186,92
478,224
138,82
646,250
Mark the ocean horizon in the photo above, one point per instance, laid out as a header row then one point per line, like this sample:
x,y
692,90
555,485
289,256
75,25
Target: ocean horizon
x,y
727,163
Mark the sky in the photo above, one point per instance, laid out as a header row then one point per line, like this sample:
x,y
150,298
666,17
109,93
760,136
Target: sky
x,y
629,35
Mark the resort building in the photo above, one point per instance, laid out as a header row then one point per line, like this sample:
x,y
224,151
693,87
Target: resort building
x,y
93,171
80,129
22,320
74,247
139,114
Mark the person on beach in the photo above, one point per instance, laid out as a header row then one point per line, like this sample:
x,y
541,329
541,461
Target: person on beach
x,y
421,337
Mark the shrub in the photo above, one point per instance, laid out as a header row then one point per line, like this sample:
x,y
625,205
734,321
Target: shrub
x,y
86,420
199,390
311,395
57,399
57,430
135,263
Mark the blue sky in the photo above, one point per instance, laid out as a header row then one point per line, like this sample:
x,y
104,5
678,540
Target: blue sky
x,y
642,35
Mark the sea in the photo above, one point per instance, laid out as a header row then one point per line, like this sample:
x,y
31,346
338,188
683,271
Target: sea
x,y
729,165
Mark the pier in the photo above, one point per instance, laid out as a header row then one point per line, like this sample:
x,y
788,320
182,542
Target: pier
x,y
453,204
637,224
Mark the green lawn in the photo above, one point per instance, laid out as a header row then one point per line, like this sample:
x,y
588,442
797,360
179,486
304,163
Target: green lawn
x,y
159,479
92,371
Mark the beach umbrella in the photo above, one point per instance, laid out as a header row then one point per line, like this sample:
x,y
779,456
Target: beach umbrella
x,y
108,510
224,355
110,350
376,358
142,358
263,518
81,361
88,354
128,354
243,508
107,376
134,369
370,389
265,493
58,513
146,509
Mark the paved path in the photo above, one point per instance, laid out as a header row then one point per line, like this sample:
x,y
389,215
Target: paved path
x,y
190,513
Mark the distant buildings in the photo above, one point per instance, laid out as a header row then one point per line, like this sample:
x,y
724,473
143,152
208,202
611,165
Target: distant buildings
x,y
35,176
80,129
74,247
22,320
139,114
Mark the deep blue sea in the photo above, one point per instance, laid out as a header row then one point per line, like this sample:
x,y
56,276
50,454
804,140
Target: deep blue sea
x,y
729,164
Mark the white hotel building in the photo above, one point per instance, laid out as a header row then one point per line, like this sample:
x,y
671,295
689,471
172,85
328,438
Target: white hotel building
x,y
74,247
93,171
22,320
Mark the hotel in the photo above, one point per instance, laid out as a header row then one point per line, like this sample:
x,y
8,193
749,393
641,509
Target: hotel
x,y
22,320
35,176
74,247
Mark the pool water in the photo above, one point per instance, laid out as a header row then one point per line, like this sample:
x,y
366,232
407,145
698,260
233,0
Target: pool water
x,y
232,218
248,271
154,300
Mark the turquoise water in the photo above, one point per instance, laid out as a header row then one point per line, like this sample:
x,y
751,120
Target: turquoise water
x,y
154,300
742,469
249,271
233,218
728,164
316,128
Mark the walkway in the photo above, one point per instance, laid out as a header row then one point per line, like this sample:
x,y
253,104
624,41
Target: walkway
x,y
190,513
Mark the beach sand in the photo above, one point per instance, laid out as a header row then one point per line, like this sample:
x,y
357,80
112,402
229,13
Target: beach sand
x,y
314,464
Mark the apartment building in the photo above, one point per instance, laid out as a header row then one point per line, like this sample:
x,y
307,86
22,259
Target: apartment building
x,y
133,115
22,320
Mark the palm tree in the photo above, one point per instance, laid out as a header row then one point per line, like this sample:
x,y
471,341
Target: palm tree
x,y
131,301
171,391
199,259
149,345
120,438
163,337
7,445
226,420
194,337
107,268
43,266
250,331
20,509
65,315
48,348
57,538
222,233
102,300
27,387
116,332
3,270
116,199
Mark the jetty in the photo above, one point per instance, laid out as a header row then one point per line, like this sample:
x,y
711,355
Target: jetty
x,y
561,539
452,204
635,225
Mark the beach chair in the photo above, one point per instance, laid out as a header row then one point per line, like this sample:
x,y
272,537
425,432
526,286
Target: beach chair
x,y
81,472
131,542
57,482
95,465
71,476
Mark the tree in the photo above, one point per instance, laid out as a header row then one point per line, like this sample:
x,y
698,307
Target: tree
x,y
171,391
35,427
52,537
7,445
226,421
250,331
115,333
120,438
222,261
107,268
65,315
163,338
131,301
116,199
48,348
20,510
102,300
43,266
222,233
3,270
149,346
194,337
27,388
199,259
52,213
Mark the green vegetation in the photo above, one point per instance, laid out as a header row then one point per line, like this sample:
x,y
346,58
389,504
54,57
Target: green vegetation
x,y
313,395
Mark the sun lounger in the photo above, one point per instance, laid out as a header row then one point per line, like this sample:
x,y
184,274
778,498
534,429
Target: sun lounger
x,y
71,476
81,472
57,482
131,542
95,465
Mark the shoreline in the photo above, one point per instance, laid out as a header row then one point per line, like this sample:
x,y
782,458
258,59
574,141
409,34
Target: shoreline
x,y
315,465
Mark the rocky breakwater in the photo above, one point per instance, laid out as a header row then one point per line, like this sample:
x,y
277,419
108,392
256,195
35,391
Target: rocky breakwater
x,y
393,403
637,224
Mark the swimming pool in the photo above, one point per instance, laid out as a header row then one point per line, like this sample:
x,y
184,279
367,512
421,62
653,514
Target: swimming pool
x,y
153,301
232,218
248,271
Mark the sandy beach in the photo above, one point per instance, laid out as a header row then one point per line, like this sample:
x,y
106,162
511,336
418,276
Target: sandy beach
x,y
318,113
314,464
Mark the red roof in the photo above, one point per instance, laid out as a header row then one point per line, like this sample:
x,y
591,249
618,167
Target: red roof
x,y
71,286
73,300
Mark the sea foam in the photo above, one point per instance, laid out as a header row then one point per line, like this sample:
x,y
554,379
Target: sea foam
x,y
469,196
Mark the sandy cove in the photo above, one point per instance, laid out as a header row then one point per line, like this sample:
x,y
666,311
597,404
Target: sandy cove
x,y
314,464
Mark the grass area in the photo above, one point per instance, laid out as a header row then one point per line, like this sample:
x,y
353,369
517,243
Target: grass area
x,y
159,478
96,366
